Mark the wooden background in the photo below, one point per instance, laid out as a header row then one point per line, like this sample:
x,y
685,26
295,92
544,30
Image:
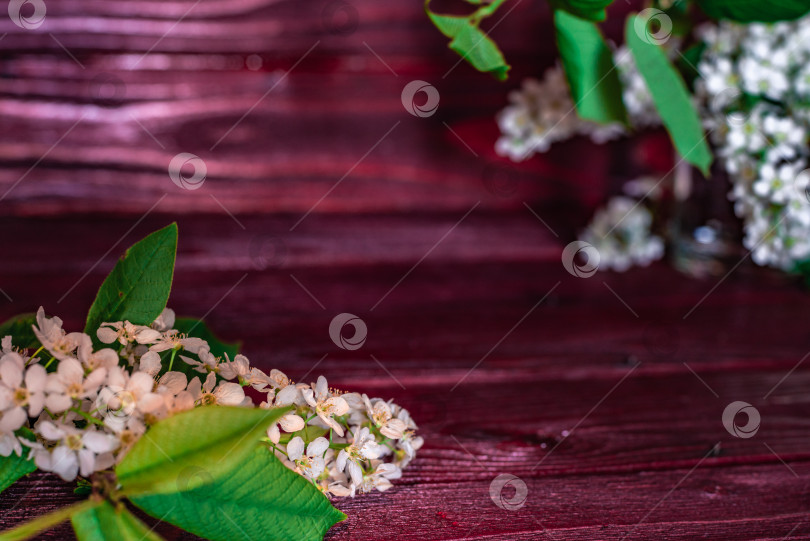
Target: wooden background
x,y
323,195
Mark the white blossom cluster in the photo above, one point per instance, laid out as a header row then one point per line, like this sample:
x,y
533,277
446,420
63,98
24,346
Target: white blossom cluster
x,y
622,231
87,407
754,93
542,113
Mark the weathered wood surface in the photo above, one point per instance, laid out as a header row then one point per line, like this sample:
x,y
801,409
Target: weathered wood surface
x,y
83,173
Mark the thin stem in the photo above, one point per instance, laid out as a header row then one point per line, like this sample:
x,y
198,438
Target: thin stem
x,y
49,362
37,351
485,11
88,417
171,361
45,522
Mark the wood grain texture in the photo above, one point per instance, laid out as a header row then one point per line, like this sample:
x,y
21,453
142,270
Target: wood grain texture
x,y
634,434
605,398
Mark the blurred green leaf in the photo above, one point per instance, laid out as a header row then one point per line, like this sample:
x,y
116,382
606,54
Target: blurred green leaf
x,y
107,523
19,328
592,10
670,95
588,63
747,11
469,41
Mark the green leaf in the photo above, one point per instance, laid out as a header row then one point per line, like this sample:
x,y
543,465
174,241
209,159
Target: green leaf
x,y
259,498
197,328
671,97
469,41
13,467
108,523
592,10
588,64
210,438
746,11
19,327
206,471
138,287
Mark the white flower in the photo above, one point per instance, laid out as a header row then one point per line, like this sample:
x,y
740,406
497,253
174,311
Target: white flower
x,y
150,363
380,414
622,235
103,358
225,394
208,361
77,451
326,406
171,339
310,464
289,423
164,321
125,396
50,334
279,379
380,478
364,447
125,333
776,183
238,368
9,443
16,394
68,383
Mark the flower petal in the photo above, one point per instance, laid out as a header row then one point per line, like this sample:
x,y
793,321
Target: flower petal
x,y
35,378
140,384
107,335
150,363
321,389
295,449
174,382
64,463
291,423
273,433
70,371
317,447
99,442
229,394
11,375
12,419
